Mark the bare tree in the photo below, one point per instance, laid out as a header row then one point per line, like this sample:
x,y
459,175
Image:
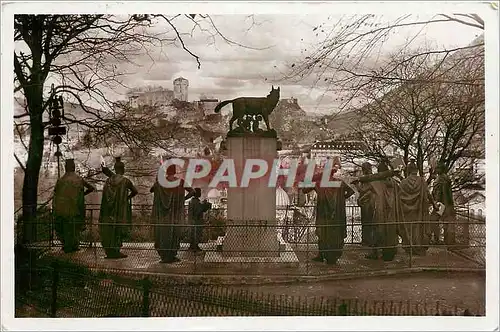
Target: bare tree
x,y
434,112
79,55
349,57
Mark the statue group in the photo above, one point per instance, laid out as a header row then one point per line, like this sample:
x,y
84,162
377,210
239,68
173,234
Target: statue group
x,y
389,210
115,216
392,210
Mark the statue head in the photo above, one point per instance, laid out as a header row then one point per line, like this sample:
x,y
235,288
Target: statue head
x,y
412,168
274,95
335,165
119,166
382,167
171,170
70,165
197,192
366,168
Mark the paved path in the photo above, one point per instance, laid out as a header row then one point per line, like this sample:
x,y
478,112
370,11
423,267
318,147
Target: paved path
x,y
142,258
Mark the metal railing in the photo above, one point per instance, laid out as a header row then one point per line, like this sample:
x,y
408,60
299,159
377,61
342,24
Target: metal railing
x,y
292,241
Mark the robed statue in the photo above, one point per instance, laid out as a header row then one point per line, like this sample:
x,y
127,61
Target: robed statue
x,y
387,214
331,220
251,106
366,203
415,203
442,193
69,207
168,216
196,209
115,217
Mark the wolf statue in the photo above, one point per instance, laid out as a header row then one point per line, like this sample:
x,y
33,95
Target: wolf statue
x,y
244,106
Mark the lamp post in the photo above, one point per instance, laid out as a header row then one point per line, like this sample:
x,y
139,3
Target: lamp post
x,y
56,112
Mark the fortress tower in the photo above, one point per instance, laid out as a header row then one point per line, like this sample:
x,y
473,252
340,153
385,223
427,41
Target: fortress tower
x,y
181,89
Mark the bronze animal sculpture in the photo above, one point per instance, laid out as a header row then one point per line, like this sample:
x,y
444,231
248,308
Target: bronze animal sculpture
x,y
252,106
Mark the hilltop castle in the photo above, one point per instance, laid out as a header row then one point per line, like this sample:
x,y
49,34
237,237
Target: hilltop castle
x,y
159,96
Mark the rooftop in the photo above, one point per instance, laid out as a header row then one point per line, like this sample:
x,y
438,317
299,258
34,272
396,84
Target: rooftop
x,y
337,145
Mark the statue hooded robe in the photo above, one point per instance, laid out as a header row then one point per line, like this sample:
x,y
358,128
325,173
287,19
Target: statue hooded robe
x,y
69,207
115,216
415,207
365,201
331,220
167,215
443,194
387,212
196,209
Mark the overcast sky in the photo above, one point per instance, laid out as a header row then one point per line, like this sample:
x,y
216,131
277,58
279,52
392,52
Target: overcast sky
x,y
273,43
230,71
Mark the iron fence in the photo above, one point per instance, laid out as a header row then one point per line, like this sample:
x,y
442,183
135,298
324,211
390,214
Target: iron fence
x,y
62,291
285,248
292,221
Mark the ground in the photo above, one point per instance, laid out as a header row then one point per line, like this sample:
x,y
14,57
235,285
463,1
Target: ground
x,y
462,289
423,292
143,259
457,282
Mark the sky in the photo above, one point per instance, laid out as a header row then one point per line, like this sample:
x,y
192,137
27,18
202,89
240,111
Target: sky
x,y
229,71
267,46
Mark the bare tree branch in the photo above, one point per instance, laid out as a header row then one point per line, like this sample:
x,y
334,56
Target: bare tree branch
x,y
82,54
20,163
348,57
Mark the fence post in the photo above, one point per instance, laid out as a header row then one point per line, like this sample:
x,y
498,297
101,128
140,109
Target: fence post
x,y
466,229
411,245
52,229
352,223
146,286
55,282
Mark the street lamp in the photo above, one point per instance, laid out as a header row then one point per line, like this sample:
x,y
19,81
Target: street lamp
x,y
56,113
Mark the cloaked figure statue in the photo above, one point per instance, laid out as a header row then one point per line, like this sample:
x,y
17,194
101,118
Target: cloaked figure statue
x,y
366,203
168,216
116,210
414,196
69,207
442,193
387,214
331,221
196,209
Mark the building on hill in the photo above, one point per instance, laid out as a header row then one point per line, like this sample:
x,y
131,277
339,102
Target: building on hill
x,y
181,86
289,106
291,101
157,96
208,106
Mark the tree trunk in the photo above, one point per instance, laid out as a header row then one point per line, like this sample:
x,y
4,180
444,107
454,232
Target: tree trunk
x,y
32,173
420,161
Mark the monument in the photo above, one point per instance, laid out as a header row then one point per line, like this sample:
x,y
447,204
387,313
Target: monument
x,y
251,234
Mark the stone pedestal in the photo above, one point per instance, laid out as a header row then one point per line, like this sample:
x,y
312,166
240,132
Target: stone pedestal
x,y
251,211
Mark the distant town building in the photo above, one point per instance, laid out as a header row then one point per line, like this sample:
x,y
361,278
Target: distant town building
x,y
181,89
154,97
322,151
207,105
291,100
